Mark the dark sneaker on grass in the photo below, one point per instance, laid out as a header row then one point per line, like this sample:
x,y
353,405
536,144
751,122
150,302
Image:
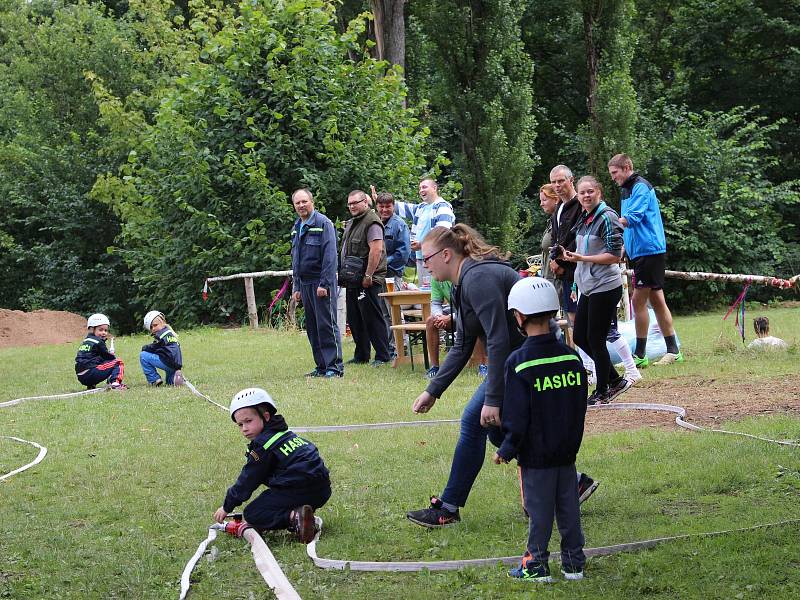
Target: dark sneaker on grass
x,y
330,374
586,487
315,373
595,398
431,373
571,573
157,383
532,571
378,363
616,389
301,523
435,516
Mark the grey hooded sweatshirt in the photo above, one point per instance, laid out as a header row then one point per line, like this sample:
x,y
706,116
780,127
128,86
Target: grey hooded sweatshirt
x,y
598,233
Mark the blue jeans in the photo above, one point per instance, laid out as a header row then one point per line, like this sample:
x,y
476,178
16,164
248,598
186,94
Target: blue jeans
x,y
470,450
150,362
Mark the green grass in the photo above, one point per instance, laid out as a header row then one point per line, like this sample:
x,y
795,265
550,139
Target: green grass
x,y
130,481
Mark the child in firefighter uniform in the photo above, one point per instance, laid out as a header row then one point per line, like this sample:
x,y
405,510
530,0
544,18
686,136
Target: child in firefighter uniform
x,y
164,353
544,409
297,479
95,362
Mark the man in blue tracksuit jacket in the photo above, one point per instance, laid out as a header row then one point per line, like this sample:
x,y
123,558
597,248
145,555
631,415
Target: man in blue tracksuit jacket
x,y
314,266
646,247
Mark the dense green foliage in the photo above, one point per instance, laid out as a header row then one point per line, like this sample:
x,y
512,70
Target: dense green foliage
x,y
272,104
483,83
146,144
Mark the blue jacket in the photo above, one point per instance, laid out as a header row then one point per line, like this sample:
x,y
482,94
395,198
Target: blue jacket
x,y
279,459
545,404
314,252
644,234
398,245
92,352
167,348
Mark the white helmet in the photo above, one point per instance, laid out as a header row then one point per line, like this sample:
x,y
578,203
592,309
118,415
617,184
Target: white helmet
x,y
97,319
251,397
150,317
533,296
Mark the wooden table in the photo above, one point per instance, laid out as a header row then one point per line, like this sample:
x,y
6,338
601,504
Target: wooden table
x,y
396,299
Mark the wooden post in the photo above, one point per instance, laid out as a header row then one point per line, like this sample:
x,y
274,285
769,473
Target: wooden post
x,y
626,299
252,311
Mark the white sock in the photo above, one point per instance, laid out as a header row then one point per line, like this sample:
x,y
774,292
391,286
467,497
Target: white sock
x,y
624,351
588,363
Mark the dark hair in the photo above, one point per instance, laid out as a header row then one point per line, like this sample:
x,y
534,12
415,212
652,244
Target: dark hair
x,y
761,325
594,181
463,240
385,198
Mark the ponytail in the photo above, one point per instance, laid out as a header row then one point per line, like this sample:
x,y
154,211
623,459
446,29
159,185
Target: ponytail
x,y
761,325
465,241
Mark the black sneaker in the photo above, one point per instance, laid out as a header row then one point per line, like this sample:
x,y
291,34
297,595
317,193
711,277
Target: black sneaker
x,y
353,361
315,373
435,516
595,398
616,389
379,363
532,571
586,487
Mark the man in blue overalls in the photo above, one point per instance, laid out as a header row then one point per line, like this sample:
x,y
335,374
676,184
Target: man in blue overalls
x,y
314,266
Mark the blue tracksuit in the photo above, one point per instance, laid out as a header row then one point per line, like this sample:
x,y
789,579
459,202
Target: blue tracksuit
x,y
292,469
644,234
314,264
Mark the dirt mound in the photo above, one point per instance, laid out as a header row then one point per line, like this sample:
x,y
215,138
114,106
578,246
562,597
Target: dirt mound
x,y
19,328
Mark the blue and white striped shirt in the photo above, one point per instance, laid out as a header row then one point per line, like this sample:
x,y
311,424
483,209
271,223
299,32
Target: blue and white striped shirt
x,y
425,217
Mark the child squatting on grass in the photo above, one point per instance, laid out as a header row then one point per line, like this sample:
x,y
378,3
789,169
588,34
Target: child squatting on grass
x,y
164,353
290,466
543,416
95,362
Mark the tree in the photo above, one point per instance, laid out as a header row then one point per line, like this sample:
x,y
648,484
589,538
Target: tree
x,y
482,82
721,212
390,30
273,103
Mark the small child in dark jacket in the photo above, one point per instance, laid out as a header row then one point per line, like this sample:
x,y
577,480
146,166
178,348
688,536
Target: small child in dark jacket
x,y
95,362
289,465
543,415
164,353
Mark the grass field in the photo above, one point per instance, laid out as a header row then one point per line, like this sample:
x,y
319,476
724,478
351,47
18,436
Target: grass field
x,y
131,479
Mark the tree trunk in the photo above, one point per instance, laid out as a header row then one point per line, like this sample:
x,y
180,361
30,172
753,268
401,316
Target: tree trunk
x,y
390,30
592,43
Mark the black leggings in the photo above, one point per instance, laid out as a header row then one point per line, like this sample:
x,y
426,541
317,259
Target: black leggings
x,y
592,322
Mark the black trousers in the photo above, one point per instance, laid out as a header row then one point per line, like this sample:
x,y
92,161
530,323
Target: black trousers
x,y
593,320
271,509
367,324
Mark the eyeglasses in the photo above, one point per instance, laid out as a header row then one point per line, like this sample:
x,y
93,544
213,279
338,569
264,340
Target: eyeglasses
x,y
356,203
425,259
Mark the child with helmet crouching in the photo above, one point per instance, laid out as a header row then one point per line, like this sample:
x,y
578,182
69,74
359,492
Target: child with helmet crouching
x,y
164,353
96,362
297,479
544,408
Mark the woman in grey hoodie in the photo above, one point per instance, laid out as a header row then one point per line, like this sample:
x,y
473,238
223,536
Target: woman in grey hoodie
x,y
597,278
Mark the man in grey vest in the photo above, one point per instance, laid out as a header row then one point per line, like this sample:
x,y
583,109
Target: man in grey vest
x,y
363,239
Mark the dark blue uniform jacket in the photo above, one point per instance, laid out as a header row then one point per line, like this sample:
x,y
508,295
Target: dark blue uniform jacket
x,y
545,404
314,252
279,459
167,348
92,352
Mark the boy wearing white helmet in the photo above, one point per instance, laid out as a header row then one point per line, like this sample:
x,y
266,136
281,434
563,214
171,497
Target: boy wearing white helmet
x,y
290,466
543,416
164,353
95,362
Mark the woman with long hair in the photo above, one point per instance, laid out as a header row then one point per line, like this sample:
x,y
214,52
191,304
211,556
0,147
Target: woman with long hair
x,y
597,278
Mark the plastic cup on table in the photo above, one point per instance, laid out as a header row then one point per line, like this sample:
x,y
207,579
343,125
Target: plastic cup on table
x,y
426,282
